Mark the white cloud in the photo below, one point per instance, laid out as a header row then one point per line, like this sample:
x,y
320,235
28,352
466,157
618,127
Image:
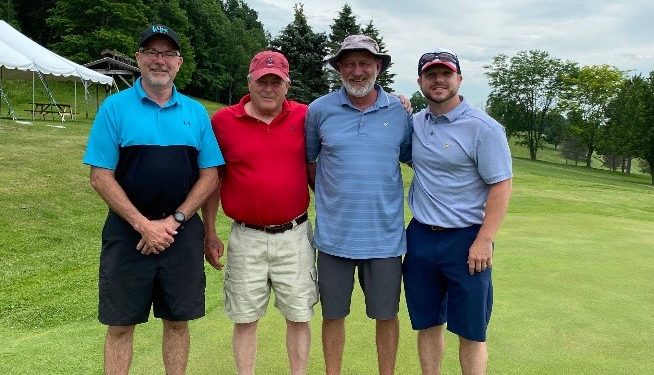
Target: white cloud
x,y
587,32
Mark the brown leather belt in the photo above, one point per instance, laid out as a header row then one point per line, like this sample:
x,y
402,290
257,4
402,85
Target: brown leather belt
x,y
279,228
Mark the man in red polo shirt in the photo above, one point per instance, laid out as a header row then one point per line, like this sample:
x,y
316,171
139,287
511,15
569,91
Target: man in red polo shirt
x,y
264,190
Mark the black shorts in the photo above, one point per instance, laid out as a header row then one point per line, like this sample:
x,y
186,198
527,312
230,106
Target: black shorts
x,y
380,280
172,282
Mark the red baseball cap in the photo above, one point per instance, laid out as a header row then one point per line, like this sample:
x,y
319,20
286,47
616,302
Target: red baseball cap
x,y
269,62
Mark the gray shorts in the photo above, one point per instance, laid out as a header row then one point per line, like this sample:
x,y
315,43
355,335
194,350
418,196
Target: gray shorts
x,y
380,280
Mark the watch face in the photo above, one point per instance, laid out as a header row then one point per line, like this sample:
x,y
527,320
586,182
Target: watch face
x,y
179,217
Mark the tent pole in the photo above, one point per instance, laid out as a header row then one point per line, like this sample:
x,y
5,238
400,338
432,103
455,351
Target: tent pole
x,y
33,105
75,104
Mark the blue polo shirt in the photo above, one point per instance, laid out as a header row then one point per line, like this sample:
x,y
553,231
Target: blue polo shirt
x,y
359,192
156,152
456,156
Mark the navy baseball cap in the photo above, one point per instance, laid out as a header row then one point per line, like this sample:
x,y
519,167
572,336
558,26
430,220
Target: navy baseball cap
x,y
159,30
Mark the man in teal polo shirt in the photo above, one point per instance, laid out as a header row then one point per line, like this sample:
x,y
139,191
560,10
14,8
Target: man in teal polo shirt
x,y
153,159
358,134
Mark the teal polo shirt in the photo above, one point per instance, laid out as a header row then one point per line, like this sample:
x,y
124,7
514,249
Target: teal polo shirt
x,y
359,193
156,152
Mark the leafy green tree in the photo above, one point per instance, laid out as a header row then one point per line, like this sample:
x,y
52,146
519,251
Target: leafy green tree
x,y
590,90
32,15
645,146
572,145
246,37
345,24
210,37
625,114
524,88
8,13
555,128
418,101
305,51
171,14
386,78
115,25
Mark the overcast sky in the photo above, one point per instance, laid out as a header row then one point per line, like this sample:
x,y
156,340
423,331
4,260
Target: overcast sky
x,y
618,33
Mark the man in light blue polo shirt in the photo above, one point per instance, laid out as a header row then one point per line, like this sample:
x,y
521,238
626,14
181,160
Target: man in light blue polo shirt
x,y
459,196
358,134
153,159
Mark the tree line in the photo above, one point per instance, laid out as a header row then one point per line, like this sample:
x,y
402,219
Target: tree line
x,y
218,39
587,111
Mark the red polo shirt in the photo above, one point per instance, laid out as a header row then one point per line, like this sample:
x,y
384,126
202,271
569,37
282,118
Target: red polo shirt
x,y
264,179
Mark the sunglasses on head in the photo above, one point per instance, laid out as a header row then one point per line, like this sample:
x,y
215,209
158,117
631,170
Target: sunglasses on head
x,y
440,56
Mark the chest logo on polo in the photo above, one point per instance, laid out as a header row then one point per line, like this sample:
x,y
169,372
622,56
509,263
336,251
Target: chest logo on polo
x,y
385,124
187,122
447,145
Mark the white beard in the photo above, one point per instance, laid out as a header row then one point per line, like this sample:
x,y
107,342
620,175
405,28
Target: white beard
x,y
359,92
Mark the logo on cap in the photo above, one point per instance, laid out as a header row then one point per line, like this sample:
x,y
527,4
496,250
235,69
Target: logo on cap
x,y
159,29
269,62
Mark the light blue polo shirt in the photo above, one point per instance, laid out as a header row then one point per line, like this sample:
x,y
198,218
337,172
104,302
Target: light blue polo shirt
x,y
156,152
359,193
456,156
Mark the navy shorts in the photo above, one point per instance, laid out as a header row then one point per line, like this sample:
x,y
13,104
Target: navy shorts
x,y
437,283
380,280
130,283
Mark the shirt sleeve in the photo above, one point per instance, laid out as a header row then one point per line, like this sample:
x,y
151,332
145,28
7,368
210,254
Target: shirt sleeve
x,y
210,154
493,155
102,147
311,135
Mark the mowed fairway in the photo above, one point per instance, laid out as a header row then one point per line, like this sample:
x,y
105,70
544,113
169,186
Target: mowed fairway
x,y
573,275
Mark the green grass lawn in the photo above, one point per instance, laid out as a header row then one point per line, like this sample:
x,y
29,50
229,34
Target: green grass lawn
x,y
574,291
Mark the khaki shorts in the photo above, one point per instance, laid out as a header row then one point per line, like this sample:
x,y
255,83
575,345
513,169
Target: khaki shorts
x,y
257,261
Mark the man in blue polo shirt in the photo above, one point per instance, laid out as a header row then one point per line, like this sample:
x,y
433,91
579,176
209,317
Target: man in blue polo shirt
x,y
153,159
358,134
459,196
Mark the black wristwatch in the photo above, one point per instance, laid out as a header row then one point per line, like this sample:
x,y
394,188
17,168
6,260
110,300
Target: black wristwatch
x,y
179,217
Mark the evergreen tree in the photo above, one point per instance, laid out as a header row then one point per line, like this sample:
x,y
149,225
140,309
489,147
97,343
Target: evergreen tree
x,y
386,78
418,101
115,25
345,24
305,51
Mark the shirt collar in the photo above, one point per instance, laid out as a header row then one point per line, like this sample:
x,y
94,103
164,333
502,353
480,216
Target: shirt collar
x,y
140,92
453,114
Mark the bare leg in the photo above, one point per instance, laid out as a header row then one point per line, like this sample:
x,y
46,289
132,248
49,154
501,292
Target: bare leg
x,y
387,336
431,346
298,344
333,342
175,346
118,349
244,344
473,356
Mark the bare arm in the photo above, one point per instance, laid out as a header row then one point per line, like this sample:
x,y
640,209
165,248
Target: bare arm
x,y
481,251
154,234
213,246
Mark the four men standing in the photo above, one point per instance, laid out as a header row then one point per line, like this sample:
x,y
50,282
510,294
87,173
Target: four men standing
x,y
155,173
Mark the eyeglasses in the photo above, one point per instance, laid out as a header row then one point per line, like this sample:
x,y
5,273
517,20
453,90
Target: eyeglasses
x,y
438,56
153,53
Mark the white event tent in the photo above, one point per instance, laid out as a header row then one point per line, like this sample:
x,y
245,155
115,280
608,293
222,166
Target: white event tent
x,y
22,58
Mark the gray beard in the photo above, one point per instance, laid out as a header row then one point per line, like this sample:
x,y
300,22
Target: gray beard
x,y
359,92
